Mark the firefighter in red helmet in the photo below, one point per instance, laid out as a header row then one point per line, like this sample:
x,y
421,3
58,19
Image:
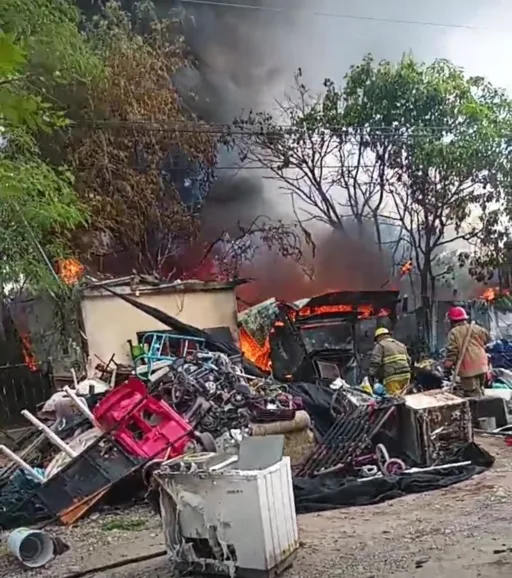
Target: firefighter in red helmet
x,y
474,364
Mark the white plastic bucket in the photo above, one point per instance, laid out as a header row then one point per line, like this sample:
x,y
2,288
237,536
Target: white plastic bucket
x,y
33,548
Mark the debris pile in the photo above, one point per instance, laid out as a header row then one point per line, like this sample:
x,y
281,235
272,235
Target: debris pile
x,y
188,393
104,433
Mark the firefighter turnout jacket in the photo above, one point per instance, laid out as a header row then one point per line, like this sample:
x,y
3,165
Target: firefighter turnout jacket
x,y
475,360
389,361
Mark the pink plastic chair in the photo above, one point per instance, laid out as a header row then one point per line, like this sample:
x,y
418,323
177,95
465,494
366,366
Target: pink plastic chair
x,y
144,426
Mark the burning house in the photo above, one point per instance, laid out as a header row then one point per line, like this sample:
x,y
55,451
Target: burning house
x,y
324,337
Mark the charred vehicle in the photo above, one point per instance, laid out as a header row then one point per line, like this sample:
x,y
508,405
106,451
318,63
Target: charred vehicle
x,y
324,337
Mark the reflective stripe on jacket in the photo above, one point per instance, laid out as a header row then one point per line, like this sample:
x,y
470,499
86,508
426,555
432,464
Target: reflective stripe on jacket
x,y
389,360
475,360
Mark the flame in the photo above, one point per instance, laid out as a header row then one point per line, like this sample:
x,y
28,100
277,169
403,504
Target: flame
x,y
28,356
406,268
253,351
70,271
491,293
363,311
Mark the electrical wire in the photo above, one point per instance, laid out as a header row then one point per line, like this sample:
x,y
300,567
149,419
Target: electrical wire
x,y
337,15
228,130
213,168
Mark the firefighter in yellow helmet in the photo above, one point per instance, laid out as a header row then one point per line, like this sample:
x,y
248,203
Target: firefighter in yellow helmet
x,y
390,363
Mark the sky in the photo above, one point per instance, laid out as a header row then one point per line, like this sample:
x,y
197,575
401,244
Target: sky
x,y
249,57
336,43
253,53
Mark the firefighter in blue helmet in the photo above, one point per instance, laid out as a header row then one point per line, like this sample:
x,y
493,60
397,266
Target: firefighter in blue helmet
x,y
390,363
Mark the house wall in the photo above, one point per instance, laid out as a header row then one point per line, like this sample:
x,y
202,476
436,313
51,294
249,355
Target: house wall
x,y
110,322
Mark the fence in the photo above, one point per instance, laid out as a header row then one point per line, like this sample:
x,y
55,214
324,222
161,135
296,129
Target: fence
x,y
21,388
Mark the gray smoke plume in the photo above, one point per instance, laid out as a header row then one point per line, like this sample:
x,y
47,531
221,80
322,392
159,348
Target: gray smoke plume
x,y
246,59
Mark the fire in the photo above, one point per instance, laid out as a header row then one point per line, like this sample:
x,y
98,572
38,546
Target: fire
x,y
28,356
70,271
491,293
253,351
363,311
406,268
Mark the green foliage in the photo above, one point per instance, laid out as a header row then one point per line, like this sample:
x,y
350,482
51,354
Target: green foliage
x,y
447,164
50,33
419,150
38,205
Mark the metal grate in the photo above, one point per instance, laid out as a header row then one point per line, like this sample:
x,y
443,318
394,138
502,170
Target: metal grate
x,y
346,439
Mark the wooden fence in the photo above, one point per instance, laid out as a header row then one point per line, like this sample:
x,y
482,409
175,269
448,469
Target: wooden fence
x,y
21,388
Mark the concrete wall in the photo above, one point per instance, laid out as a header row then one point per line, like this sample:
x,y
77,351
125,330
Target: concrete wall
x,y
110,321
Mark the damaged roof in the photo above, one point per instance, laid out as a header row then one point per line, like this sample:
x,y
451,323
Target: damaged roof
x,y
349,298
147,284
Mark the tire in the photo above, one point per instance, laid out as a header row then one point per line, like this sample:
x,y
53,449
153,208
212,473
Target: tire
x,y
207,442
394,467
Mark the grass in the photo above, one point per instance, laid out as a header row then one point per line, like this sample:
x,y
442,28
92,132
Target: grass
x,y
124,525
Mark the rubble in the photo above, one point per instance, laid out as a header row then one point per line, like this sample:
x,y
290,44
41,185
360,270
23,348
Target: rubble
x,y
188,394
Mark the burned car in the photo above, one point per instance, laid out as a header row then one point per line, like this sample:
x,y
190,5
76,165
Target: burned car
x,y
324,337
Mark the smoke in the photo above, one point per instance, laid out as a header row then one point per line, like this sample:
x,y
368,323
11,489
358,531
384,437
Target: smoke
x,y
344,261
247,58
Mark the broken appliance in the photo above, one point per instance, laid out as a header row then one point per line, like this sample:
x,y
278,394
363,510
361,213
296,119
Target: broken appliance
x,y
329,336
227,516
434,424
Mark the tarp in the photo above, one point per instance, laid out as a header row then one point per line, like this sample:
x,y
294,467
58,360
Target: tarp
x,y
333,491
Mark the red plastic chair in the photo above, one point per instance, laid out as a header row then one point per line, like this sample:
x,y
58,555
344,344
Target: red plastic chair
x,y
144,426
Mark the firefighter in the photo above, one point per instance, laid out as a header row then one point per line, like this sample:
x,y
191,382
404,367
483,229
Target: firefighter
x,y
390,362
474,364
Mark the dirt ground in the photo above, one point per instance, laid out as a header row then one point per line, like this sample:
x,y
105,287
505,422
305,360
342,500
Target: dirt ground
x,y
464,531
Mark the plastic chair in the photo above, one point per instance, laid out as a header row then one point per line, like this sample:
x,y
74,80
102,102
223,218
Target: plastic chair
x,y
143,425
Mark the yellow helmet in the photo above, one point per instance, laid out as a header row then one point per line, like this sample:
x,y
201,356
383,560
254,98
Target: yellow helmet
x,y
381,331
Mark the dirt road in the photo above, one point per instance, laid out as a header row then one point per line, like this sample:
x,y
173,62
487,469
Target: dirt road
x,y
464,531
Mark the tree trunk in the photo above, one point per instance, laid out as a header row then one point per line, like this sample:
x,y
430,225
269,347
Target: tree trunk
x,y
426,307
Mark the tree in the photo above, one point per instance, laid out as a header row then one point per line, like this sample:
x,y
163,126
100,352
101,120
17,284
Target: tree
x,y
448,171
325,165
38,206
142,159
144,162
419,148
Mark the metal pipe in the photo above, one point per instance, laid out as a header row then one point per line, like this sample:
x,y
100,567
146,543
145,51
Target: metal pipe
x,y
22,464
441,467
52,436
82,406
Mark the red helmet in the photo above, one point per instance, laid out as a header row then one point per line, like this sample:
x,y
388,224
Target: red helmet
x,y
457,314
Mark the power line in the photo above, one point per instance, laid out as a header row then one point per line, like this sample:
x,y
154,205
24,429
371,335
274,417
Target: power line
x,y
335,15
228,130
213,168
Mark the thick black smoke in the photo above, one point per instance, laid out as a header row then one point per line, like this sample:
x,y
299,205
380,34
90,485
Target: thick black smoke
x,y
246,59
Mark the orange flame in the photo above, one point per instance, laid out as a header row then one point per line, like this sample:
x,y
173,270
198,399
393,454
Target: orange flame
x,y
253,351
70,271
406,268
28,356
363,311
491,293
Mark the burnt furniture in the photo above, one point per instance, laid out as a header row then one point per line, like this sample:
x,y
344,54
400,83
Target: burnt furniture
x,y
432,425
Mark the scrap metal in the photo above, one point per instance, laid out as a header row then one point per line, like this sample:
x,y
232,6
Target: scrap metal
x,y
347,439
